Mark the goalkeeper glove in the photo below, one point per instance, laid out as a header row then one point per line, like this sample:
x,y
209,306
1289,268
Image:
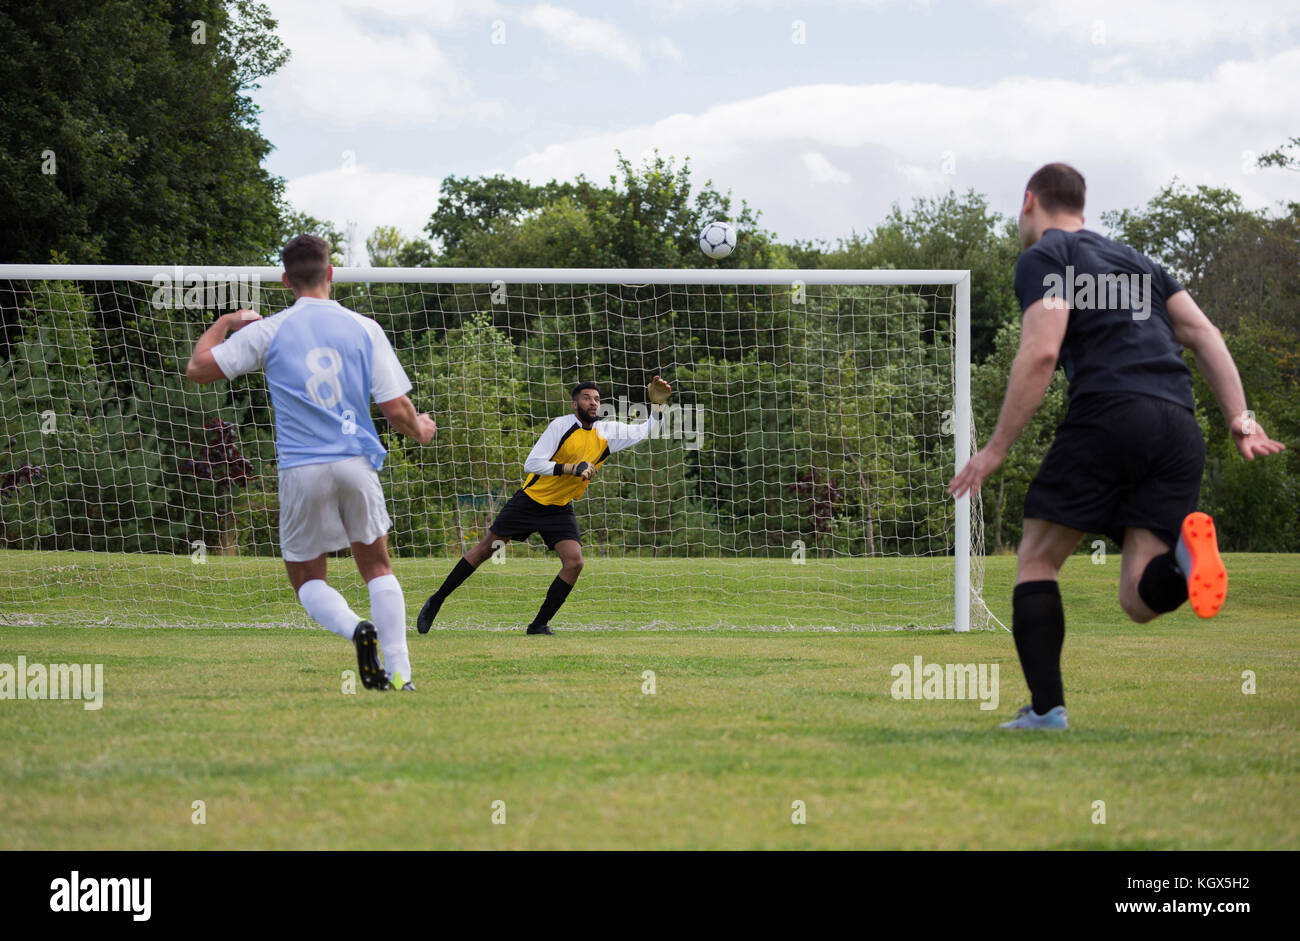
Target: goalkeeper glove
x,y
658,391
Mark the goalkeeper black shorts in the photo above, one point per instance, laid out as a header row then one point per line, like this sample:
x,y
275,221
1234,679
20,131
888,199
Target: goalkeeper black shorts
x,y
522,516
1120,460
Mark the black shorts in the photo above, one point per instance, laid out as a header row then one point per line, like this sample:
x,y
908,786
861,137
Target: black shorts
x,y
1120,460
522,516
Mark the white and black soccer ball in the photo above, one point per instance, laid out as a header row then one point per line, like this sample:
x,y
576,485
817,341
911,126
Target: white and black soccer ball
x,y
717,239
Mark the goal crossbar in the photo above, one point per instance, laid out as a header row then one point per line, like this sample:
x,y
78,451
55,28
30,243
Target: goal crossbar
x,y
627,276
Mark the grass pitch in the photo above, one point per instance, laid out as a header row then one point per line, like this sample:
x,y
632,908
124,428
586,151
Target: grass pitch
x,y
254,723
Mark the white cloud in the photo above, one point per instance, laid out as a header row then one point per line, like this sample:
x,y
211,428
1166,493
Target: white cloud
x,y
1129,138
1111,64
583,34
821,170
359,62
820,160
588,35
665,48
1163,27
677,8
432,14
1159,26
368,197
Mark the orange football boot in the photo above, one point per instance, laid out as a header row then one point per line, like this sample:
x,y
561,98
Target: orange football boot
x,y
1198,556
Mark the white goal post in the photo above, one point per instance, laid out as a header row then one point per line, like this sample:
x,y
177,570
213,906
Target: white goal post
x,y
799,486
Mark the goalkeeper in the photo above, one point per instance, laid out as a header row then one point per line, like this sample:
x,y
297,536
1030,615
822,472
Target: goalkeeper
x,y
558,469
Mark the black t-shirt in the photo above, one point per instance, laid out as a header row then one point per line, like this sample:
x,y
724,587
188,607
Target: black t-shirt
x,y
1119,338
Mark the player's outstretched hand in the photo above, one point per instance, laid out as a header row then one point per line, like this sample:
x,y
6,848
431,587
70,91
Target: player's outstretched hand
x,y
427,428
968,480
589,472
1251,440
242,318
658,390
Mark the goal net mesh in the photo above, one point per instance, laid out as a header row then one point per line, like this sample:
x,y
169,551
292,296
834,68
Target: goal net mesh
x,y
797,483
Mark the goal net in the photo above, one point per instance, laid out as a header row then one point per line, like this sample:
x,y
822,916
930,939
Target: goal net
x,y
798,481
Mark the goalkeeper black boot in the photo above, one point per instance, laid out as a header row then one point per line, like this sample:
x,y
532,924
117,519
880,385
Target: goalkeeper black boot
x,y
428,613
540,629
366,640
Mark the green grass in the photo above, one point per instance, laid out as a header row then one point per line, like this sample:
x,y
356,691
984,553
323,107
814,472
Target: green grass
x,y
254,723
618,592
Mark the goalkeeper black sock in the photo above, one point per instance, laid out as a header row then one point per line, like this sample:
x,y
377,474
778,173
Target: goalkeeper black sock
x,y
462,571
1163,586
555,596
1038,626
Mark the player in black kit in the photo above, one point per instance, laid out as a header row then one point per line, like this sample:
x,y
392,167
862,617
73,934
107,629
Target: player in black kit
x,y
1127,459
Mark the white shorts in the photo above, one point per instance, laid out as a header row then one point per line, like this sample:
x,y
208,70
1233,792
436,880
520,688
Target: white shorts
x,y
325,507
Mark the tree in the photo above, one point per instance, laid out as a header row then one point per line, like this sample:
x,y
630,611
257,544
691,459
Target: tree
x,y
295,223
1286,156
111,454
468,206
1256,503
947,232
1181,228
1004,493
1237,263
126,135
479,384
389,248
646,217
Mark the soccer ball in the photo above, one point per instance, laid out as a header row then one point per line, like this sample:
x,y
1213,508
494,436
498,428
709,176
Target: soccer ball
x,y
717,239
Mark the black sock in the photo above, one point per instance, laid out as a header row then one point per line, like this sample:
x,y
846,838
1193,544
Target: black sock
x,y
1038,626
462,571
555,596
1163,586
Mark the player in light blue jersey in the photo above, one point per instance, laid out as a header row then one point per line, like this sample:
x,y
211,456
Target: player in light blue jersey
x,y
324,364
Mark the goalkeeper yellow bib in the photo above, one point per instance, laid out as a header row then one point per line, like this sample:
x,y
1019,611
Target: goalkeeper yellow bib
x,y
578,444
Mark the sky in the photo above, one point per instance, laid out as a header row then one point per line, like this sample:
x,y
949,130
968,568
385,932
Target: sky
x,y
821,115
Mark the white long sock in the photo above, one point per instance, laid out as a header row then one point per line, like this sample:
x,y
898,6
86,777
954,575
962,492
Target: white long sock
x,y
388,612
328,608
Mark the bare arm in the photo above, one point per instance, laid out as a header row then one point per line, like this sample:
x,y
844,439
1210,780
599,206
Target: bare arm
x,y
1042,332
1195,331
1041,335
401,414
202,368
